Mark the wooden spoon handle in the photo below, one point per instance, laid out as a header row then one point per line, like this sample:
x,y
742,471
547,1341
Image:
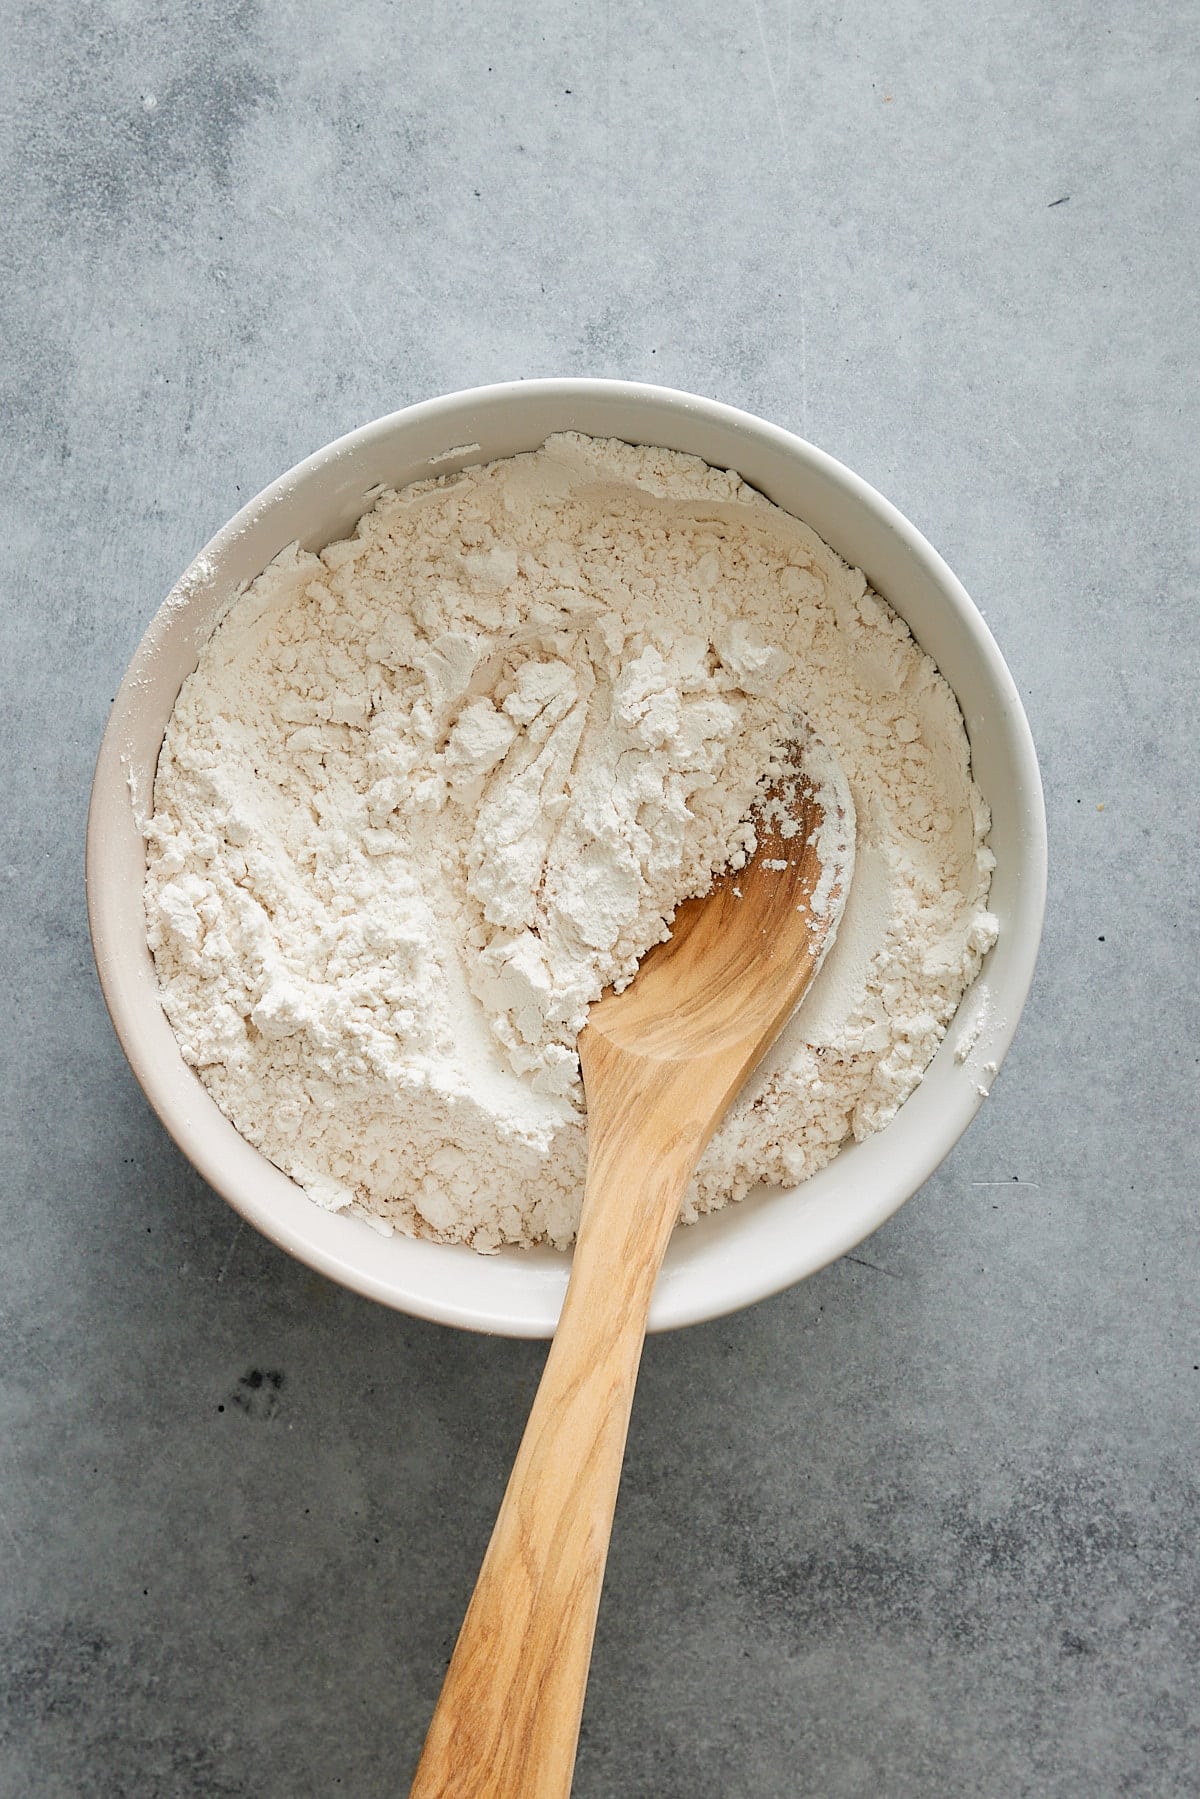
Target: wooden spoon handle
x,y
507,1722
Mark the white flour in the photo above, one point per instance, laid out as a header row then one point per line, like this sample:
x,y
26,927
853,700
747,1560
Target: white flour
x,y
428,793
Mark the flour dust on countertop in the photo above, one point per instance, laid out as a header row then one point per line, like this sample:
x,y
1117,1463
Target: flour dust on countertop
x,y
429,792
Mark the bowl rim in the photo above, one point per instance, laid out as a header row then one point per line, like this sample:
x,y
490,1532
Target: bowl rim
x,y
103,905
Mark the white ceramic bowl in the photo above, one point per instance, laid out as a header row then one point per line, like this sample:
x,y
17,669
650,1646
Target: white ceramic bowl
x,y
773,1237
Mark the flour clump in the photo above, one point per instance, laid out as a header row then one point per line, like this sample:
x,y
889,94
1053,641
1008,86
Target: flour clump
x,y
429,792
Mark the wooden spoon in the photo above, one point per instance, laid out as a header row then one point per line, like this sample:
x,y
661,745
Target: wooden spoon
x,y
661,1063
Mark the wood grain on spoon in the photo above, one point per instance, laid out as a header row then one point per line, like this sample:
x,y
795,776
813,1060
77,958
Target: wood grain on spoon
x,y
661,1063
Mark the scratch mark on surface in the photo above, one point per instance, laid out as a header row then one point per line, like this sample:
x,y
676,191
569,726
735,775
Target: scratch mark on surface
x,y
790,181
30,1347
606,185
301,222
862,1262
233,1243
1061,201
344,303
774,87
11,1533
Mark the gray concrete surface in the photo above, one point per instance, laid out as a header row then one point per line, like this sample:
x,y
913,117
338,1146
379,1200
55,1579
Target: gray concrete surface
x,y
924,1525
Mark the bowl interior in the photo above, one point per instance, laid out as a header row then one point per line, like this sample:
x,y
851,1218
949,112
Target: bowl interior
x,y
771,1238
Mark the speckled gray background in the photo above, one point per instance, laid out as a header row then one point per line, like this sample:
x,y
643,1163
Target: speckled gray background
x,y
925,1525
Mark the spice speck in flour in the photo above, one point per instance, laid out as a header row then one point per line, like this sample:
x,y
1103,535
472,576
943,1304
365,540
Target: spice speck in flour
x,y
428,793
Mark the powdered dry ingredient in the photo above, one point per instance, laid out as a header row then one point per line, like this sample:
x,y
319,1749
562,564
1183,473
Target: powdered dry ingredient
x,y
428,793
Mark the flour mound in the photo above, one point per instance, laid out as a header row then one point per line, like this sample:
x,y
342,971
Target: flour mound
x,y
428,793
